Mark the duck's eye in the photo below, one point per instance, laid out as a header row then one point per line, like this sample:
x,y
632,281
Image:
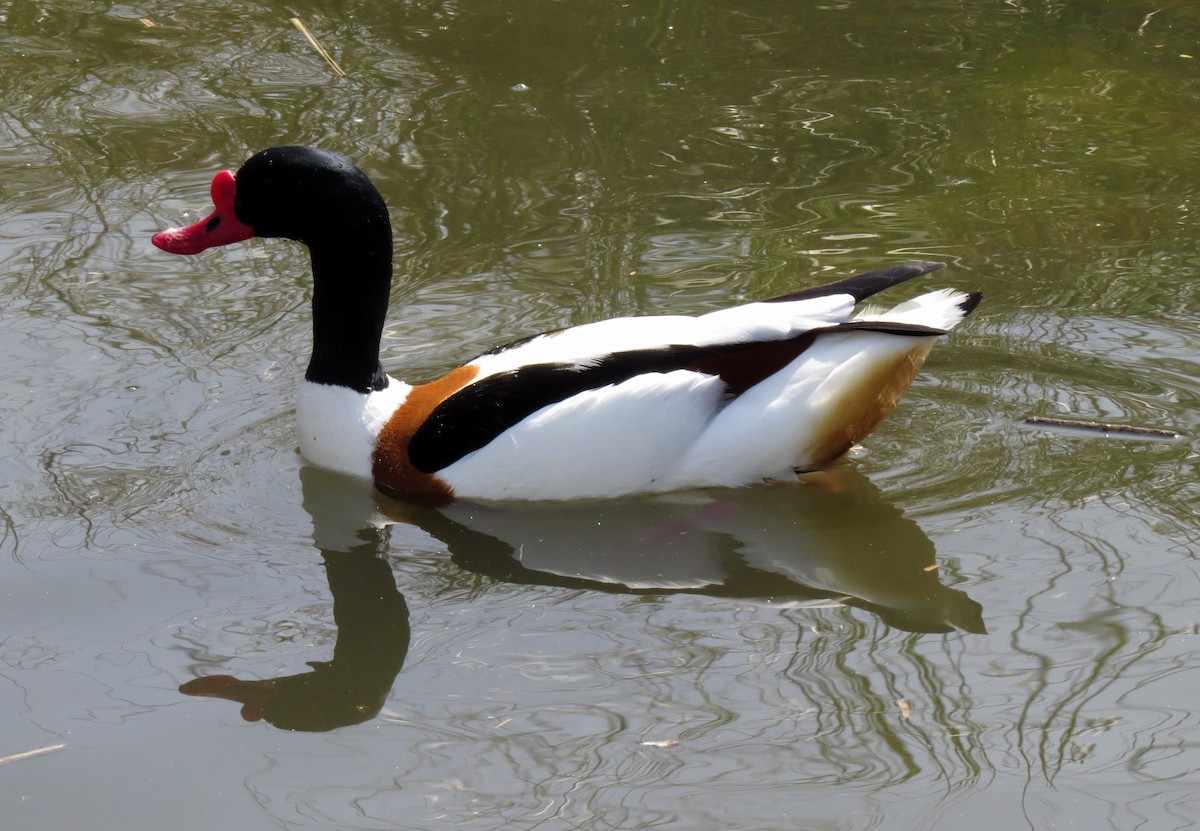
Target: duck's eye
x,y
212,224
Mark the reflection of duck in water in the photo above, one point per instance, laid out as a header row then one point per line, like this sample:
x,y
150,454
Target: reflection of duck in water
x,y
372,642
371,617
831,538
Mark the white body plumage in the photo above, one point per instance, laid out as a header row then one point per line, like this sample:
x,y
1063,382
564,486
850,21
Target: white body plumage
x,y
657,431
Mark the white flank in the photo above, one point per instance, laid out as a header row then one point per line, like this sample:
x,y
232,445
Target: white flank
x,y
605,442
766,430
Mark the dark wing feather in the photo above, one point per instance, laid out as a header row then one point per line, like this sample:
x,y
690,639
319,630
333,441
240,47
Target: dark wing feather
x,y
862,286
470,418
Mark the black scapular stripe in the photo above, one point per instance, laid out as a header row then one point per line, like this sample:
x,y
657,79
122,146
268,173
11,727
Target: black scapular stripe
x,y
470,418
476,414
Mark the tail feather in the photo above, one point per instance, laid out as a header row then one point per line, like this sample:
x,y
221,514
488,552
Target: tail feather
x,y
940,309
970,302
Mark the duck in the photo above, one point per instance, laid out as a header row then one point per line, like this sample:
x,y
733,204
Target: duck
x,y
630,405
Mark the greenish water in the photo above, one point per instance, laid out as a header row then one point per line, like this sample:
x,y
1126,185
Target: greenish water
x,y
975,621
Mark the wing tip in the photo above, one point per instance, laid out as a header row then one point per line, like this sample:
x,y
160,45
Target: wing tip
x,y
917,267
862,286
969,303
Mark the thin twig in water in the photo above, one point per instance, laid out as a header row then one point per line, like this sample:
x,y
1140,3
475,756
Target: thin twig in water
x,y
1102,427
31,754
299,24
1141,30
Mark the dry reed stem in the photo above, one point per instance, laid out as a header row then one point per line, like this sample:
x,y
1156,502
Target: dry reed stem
x,y
299,24
31,754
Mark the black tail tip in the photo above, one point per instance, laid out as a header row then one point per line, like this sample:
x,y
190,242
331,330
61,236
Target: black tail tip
x,y
970,302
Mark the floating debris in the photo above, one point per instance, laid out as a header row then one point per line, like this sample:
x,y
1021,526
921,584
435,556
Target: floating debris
x,y
667,743
1103,427
1141,30
905,708
299,24
31,754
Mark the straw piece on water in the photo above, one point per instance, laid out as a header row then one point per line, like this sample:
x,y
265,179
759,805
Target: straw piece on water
x,y
31,754
299,24
665,744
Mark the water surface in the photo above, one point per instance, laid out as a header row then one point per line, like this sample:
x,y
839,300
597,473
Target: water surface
x,y
973,621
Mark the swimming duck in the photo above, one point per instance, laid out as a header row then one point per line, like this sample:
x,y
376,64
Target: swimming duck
x,y
617,407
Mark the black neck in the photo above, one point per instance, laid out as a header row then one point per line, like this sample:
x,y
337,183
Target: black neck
x,y
352,277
